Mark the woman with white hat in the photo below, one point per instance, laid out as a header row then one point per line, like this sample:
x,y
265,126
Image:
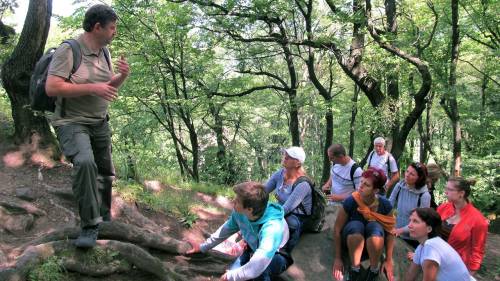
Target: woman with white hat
x,y
293,191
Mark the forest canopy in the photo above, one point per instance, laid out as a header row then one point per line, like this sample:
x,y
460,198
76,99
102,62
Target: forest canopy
x,y
218,87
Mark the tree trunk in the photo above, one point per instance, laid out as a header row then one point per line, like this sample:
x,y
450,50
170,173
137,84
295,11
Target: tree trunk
x,y
292,91
484,85
16,73
225,162
453,112
392,76
354,112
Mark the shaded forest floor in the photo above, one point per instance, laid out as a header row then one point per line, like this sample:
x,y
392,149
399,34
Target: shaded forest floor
x,y
35,202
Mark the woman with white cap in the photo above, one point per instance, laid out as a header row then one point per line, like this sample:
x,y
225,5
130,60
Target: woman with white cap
x,y
293,191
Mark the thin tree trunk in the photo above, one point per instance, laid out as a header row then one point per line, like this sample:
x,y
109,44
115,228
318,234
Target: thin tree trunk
x,y
453,105
354,112
484,85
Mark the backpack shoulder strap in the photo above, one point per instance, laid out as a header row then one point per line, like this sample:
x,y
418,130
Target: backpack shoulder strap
x,y
354,167
369,159
77,60
77,54
419,198
397,194
107,56
301,180
311,185
389,164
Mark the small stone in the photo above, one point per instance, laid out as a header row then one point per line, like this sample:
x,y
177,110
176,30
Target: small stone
x,y
26,193
3,258
153,186
15,224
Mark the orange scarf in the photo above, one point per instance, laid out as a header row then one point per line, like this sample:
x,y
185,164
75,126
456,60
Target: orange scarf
x,y
387,221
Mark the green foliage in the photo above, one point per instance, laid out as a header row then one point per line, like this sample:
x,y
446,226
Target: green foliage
x,y
183,55
50,270
99,255
6,123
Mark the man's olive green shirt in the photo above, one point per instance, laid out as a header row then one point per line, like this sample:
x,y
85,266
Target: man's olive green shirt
x,y
94,68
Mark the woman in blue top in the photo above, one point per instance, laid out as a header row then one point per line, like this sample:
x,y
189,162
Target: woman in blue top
x,y
365,221
295,199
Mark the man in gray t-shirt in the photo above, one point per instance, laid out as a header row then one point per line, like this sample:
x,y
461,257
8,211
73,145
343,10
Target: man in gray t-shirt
x,y
81,116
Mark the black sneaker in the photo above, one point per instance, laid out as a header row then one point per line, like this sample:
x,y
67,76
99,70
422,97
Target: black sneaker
x,y
353,275
372,276
87,237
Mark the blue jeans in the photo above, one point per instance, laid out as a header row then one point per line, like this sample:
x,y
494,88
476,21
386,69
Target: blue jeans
x,y
295,227
277,266
371,228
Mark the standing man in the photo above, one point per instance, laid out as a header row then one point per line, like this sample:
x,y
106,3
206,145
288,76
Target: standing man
x,y
263,228
81,116
382,159
345,175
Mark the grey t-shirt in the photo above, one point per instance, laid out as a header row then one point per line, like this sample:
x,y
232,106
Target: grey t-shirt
x,y
94,68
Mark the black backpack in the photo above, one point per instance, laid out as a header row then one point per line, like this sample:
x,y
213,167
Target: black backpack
x,y
38,97
354,167
314,221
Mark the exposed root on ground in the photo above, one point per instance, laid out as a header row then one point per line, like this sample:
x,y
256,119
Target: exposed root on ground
x,y
78,260
17,206
116,231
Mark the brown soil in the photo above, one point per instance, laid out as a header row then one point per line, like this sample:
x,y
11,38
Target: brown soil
x,y
19,170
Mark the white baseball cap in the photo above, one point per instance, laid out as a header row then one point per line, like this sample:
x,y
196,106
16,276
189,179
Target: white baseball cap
x,y
296,153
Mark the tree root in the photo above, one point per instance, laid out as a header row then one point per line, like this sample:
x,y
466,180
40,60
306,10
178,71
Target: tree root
x,y
132,254
95,270
63,193
18,207
116,231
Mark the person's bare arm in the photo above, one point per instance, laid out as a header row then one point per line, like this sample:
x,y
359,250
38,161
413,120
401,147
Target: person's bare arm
x,y
58,86
430,269
328,184
394,179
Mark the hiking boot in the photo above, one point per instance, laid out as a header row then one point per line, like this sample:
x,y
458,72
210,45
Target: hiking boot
x,y
106,217
87,237
372,276
353,275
